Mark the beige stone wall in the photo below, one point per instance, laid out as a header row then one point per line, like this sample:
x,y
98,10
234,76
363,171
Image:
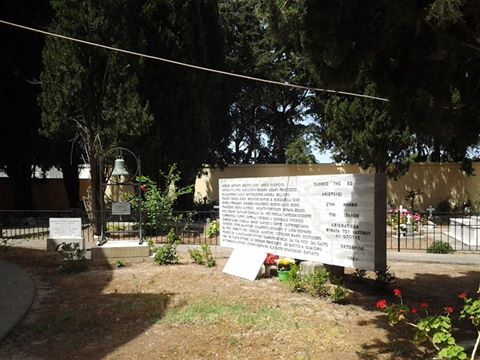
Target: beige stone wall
x,y
436,181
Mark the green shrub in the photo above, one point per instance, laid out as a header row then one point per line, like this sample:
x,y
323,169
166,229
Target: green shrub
x,y
167,254
316,283
440,247
359,275
340,294
383,278
213,229
296,281
158,204
197,256
73,258
203,256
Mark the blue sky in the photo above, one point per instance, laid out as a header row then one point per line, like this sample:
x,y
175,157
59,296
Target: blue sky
x,y
322,157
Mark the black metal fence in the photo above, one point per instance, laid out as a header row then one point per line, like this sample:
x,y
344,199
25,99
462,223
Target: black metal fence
x,y
22,226
405,230
424,230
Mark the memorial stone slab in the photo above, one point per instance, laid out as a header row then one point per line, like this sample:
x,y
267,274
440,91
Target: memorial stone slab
x,y
68,230
333,219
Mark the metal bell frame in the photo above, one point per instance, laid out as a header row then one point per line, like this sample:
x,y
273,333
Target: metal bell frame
x,y
119,170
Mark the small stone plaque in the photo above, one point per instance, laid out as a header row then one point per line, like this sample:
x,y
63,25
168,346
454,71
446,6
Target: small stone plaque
x,y
121,208
65,228
245,263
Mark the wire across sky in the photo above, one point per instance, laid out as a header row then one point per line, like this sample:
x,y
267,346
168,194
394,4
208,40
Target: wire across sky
x,y
178,63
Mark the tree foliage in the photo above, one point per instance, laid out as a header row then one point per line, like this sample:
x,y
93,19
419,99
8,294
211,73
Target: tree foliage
x,y
362,131
265,119
20,62
90,95
188,105
423,56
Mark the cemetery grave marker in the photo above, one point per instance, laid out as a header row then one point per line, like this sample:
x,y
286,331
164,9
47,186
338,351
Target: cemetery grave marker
x,y
68,230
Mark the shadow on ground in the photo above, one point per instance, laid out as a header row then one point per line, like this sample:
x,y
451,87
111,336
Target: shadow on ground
x,y
436,290
75,311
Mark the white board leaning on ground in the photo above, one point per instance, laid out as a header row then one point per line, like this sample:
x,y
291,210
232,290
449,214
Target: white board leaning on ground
x,y
332,219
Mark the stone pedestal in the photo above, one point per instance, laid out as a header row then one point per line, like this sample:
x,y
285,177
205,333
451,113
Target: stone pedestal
x,y
53,243
112,251
309,267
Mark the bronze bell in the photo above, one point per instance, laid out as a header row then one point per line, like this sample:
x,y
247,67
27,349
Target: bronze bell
x,y
119,169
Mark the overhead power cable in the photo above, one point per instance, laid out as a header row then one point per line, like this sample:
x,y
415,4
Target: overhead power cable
x,y
226,73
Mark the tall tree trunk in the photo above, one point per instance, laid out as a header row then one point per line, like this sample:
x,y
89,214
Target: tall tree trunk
x,y
96,192
20,174
71,182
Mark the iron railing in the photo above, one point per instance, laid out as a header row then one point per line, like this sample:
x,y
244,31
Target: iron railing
x,y
420,230
22,226
405,231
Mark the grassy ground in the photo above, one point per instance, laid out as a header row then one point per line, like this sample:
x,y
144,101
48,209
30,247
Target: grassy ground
x,y
187,311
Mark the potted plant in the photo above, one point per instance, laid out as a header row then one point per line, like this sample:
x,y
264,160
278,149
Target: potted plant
x,y
283,268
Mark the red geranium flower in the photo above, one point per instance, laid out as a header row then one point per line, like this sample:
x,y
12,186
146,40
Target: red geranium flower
x,y
413,310
397,292
424,305
463,295
381,304
449,310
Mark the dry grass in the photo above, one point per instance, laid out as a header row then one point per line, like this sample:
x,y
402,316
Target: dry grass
x,y
194,312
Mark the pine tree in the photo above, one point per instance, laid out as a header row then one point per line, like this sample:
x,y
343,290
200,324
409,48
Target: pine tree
x,y
91,95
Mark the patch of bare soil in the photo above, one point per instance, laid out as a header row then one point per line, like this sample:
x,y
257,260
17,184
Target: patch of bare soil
x,y
187,311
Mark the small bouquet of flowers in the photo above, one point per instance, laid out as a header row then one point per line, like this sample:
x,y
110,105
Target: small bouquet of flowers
x,y
285,264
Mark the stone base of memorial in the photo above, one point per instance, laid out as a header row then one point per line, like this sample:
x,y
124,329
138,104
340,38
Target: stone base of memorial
x,y
126,250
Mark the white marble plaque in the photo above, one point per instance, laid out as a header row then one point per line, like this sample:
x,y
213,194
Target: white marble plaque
x,y
325,218
245,263
121,208
65,228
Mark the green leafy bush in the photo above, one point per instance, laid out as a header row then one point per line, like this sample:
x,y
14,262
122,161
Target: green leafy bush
x,y
196,256
213,229
295,279
340,294
315,283
383,278
167,254
360,275
73,258
440,247
158,204
203,256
